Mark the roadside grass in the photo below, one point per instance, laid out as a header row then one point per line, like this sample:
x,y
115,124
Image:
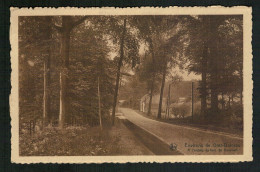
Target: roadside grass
x,y
70,141
224,124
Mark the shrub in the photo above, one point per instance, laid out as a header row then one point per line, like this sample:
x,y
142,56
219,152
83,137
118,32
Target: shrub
x,y
184,110
175,111
237,109
181,110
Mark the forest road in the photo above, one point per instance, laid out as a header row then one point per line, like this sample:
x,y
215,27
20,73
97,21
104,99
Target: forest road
x,y
188,140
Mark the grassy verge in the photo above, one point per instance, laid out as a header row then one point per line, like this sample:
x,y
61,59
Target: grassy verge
x,y
82,141
200,123
71,141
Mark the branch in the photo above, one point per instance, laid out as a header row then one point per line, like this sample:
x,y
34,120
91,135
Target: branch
x,y
57,27
54,25
126,74
79,21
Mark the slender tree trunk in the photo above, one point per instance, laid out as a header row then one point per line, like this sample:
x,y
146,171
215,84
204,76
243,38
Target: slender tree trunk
x,y
241,89
151,96
153,78
214,79
65,45
44,96
192,100
214,48
62,107
162,88
214,95
169,101
203,90
120,62
214,85
241,97
47,30
229,98
46,102
99,107
67,25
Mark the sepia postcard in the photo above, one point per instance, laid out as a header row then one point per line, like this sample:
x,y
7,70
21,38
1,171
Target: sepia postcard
x,y
118,85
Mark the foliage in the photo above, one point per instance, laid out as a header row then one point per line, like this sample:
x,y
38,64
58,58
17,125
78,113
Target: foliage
x,y
90,56
56,142
210,46
181,110
214,48
33,50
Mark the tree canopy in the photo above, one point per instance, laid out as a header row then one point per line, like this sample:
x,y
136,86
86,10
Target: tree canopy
x,y
67,62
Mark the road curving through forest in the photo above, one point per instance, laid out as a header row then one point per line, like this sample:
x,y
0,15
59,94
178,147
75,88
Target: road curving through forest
x,y
188,140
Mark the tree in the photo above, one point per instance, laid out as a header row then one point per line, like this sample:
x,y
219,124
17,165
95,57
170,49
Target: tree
x,y
65,29
90,62
198,29
123,37
216,35
145,72
133,89
46,30
164,60
172,50
214,47
150,29
231,73
35,42
120,62
218,52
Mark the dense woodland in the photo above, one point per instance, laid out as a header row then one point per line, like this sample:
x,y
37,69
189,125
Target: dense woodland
x,y
71,68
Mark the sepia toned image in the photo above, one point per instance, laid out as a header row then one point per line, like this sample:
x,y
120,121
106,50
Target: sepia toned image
x,y
127,85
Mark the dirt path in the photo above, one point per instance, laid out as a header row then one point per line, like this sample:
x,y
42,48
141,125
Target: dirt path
x,y
128,144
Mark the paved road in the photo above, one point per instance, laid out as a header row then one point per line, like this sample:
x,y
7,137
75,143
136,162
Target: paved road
x,y
189,140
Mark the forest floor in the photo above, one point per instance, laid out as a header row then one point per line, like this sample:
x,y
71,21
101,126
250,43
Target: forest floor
x,y
82,141
197,123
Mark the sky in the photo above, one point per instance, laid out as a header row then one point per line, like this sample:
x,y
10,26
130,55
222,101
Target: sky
x,y
186,76
184,73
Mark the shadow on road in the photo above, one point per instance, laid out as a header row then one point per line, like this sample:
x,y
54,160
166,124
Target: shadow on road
x,y
154,144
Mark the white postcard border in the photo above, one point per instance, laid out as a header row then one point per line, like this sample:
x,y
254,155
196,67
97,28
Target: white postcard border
x,y
216,10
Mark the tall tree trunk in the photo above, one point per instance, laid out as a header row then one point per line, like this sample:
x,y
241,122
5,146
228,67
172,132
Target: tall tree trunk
x,y
241,97
241,88
120,62
65,45
162,88
169,100
203,90
151,95
67,25
214,93
62,106
47,31
229,98
99,107
214,49
153,78
46,95
214,80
